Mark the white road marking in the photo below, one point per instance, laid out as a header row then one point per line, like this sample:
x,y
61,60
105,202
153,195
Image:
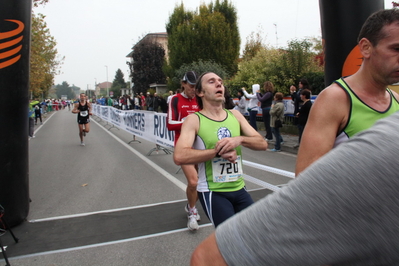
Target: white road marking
x,y
171,178
269,169
105,243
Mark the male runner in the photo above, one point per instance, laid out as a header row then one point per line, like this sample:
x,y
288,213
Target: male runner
x,y
180,106
212,138
353,104
83,109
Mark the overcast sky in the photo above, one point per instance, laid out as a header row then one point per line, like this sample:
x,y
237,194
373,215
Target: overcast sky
x,y
93,34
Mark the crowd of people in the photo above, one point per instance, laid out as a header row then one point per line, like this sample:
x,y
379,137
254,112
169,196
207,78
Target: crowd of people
x,y
39,108
150,102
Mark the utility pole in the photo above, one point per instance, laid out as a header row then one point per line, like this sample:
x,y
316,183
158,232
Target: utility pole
x,y
275,26
107,81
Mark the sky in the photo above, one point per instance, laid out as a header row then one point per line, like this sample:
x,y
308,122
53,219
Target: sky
x,y
95,36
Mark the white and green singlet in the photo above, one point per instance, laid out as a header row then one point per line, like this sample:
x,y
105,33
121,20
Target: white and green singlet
x,y
218,174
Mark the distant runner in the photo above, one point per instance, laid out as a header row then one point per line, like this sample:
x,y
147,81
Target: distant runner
x,y
83,109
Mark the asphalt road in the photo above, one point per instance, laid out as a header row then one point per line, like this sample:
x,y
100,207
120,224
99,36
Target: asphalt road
x,y
110,202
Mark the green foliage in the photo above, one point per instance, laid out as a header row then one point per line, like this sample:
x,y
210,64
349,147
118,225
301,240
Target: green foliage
x,y
253,45
44,64
64,89
37,3
199,67
316,81
148,59
282,67
210,34
118,83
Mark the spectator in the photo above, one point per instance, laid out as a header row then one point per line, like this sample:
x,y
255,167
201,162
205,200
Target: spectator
x,y
169,97
303,112
38,112
240,104
277,114
156,102
163,104
252,105
143,103
266,100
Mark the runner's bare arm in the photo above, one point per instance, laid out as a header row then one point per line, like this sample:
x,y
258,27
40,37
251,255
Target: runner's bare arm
x,y
207,253
184,153
75,108
327,117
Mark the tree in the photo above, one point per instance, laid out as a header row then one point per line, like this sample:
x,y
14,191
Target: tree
x,y
64,89
148,58
209,34
199,67
36,3
118,83
44,64
253,45
282,67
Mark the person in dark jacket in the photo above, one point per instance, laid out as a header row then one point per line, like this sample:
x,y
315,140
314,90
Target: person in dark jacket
x,y
303,112
266,99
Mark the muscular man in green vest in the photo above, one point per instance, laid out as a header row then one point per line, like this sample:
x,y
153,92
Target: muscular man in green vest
x,y
212,138
353,104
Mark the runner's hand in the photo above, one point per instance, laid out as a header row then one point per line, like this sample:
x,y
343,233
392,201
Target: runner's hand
x,y
231,156
227,144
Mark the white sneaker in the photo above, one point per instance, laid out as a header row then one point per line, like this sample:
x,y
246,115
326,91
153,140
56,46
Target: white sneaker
x,y
192,223
82,143
195,212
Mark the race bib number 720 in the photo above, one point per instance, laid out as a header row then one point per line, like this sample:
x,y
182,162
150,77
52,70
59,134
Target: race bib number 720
x,y
225,171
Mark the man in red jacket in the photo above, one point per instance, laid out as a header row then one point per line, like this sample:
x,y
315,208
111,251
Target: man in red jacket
x,y
180,106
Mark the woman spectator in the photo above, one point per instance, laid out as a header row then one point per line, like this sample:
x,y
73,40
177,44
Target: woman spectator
x,y
240,105
277,114
129,103
252,105
266,100
228,101
303,112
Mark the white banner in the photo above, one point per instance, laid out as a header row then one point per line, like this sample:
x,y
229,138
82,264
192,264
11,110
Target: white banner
x,y
148,125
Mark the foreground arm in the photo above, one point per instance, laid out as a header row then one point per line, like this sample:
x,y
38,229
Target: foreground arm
x,y
207,253
323,217
327,117
184,153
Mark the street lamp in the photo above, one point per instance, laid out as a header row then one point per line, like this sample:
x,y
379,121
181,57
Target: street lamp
x,y
107,81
